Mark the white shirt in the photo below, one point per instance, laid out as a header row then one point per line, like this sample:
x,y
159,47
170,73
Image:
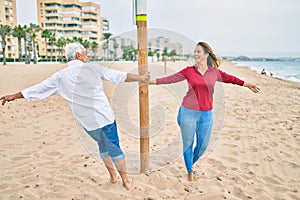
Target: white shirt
x,y
81,85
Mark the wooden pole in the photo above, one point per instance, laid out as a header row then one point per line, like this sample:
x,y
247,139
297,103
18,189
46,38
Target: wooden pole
x,y
141,22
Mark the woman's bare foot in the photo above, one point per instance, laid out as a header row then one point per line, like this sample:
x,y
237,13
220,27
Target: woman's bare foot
x,y
127,184
191,176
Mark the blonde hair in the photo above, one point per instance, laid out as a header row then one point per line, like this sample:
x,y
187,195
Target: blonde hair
x,y
212,59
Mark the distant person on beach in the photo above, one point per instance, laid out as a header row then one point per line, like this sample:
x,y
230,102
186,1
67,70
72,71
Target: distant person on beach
x,y
195,113
80,83
263,71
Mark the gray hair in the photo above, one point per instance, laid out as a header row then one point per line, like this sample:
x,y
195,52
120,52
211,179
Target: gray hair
x,y
72,49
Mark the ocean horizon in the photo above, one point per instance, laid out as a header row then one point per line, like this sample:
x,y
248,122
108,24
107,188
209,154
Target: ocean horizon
x,y
287,70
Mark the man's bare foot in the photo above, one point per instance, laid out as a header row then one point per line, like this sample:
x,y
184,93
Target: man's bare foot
x,y
191,176
113,180
127,184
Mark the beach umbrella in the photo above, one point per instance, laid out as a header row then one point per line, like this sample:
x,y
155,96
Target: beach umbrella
x,y
140,14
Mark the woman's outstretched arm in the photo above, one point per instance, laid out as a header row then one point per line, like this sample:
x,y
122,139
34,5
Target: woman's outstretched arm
x,y
253,88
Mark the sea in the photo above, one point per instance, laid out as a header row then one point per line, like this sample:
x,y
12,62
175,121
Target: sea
x,y
287,70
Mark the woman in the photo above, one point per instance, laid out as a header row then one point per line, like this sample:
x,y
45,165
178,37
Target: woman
x,y
195,113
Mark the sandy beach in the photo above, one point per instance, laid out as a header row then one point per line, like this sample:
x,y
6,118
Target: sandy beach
x,y
253,154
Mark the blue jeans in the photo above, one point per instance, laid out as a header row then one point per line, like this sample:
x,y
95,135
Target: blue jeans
x,y
193,122
108,142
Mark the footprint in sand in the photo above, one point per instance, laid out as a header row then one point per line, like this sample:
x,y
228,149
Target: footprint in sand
x,y
253,149
17,158
238,192
246,165
269,159
293,165
285,154
230,145
230,159
271,180
273,144
158,182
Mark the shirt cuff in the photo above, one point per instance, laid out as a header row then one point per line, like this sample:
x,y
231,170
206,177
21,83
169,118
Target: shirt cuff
x,y
25,95
124,77
241,82
158,81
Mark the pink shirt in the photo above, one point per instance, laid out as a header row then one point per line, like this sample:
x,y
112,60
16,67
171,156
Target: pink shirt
x,y
200,87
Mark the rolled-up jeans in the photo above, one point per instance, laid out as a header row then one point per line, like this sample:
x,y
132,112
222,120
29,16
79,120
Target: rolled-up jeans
x,y
108,141
193,122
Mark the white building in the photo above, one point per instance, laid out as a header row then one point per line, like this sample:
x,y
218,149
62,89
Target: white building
x,y
160,43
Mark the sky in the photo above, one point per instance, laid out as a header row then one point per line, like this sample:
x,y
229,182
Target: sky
x,y
255,28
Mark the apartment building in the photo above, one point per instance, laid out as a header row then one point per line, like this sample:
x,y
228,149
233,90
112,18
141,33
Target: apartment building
x,y
8,16
158,44
105,24
68,19
116,45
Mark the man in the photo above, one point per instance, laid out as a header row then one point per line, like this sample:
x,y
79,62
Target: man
x,y
80,83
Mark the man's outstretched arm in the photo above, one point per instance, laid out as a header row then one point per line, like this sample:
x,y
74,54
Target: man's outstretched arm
x,y
36,92
11,97
134,77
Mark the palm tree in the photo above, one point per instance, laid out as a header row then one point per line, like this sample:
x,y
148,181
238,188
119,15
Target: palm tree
x,y
165,53
104,47
135,53
129,53
26,30
115,46
111,53
33,30
5,30
86,44
33,37
157,54
61,42
76,39
106,37
68,40
52,39
94,47
151,54
173,54
19,33
29,45
46,34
